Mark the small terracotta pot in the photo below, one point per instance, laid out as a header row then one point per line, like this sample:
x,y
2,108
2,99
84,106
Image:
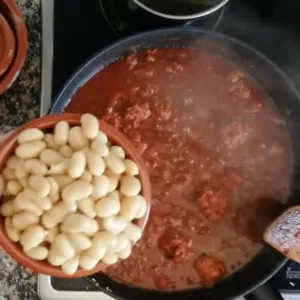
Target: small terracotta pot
x,y
7,45
7,147
14,17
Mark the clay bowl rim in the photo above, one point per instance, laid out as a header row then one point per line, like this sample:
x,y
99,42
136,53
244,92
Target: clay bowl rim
x,y
9,45
8,145
15,17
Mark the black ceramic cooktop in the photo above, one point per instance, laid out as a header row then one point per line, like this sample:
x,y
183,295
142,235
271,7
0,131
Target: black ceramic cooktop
x,y
81,29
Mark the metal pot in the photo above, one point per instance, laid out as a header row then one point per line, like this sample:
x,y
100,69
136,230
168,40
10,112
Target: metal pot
x,y
175,10
147,17
250,278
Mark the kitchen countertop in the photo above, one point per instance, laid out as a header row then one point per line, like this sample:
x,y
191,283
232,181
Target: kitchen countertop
x,y
17,106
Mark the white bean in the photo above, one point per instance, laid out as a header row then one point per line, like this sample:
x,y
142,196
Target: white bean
x,y
133,232
113,183
24,219
38,253
14,187
62,247
33,195
143,208
51,157
76,138
70,266
55,260
21,173
66,151
61,133
7,208
40,185
12,162
131,168
59,169
102,137
130,186
57,214
77,164
105,239
100,187
118,152
130,207
23,201
122,243
114,163
110,173
8,174
77,190
49,140
95,252
52,233
30,150
79,241
87,176
115,194
86,262
93,228
49,222
24,182
107,206
87,207
11,231
32,237
63,180
95,163
35,166
114,224
74,223
54,190
43,203
90,125
99,147
30,135
85,150
125,253
110,258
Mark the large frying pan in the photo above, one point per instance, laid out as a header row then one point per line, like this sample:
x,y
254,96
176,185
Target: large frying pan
x,y
268,261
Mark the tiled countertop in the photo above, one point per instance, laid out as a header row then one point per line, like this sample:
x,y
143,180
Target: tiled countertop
x,y
17,106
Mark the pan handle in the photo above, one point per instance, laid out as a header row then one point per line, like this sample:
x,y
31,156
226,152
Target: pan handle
x,y
264,292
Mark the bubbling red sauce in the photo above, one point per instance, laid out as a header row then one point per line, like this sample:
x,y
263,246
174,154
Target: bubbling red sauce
x,y
218,155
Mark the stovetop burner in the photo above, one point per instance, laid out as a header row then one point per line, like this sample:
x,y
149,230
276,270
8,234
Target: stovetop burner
x,y
82,28
123,22
287,281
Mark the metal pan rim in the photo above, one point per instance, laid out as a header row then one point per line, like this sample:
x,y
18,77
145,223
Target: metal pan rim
x,y
183,17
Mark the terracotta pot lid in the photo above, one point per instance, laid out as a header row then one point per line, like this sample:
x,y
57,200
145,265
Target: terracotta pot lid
x,y
7,45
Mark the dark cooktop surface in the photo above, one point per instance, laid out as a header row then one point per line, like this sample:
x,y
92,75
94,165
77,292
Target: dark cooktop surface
x,y
82,28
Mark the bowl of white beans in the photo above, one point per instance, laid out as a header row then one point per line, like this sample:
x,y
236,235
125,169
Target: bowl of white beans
x,y
76,195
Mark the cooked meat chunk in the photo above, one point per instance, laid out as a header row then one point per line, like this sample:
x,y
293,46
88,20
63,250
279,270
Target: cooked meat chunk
x,y
175,246
212,204
210,269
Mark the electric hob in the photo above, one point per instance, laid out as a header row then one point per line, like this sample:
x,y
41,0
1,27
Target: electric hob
x,y
82,28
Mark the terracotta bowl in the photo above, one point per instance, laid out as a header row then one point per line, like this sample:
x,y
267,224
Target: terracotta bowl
x,y
6,150
7,45
13,16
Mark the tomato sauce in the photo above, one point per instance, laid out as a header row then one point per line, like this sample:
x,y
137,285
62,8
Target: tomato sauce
x,y
218,155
